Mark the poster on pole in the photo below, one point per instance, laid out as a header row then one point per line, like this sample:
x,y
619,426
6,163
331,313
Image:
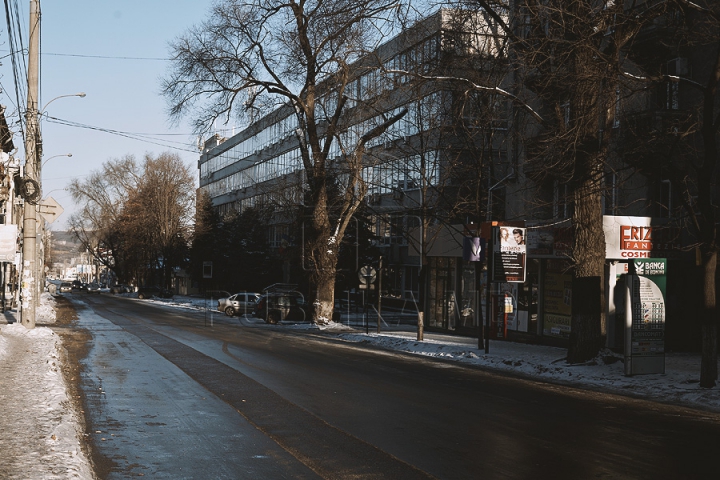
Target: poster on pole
x,y
8,242
509,254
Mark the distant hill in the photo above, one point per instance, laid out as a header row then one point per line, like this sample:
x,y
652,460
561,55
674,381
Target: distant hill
x,y
64,247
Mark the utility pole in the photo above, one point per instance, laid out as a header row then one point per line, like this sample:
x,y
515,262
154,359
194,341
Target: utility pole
x,y
29,271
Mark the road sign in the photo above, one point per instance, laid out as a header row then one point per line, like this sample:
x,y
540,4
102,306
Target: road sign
x,y
367,274
50,209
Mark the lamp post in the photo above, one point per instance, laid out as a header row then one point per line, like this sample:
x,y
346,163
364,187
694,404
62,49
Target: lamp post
x,y
55,156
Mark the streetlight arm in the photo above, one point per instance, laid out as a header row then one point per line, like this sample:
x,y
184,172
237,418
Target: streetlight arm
x,y
81,95
55,156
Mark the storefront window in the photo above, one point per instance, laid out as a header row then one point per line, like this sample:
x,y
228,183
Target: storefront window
x,y
443,303
468,318
527,300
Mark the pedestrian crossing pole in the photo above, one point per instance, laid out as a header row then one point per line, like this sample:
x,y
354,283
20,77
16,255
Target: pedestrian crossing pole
x,y
28,270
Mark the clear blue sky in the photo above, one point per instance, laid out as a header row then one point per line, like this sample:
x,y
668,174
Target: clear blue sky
x,y
106,49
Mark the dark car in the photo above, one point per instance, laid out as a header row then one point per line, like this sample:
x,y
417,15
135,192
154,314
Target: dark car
x,y
77,285
120,288
241,302
148,292
280,302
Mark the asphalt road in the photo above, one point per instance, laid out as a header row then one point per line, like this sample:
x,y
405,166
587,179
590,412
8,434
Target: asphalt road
x,y
168,395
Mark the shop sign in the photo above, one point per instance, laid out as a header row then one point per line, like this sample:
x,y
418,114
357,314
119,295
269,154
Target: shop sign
x,y
638,237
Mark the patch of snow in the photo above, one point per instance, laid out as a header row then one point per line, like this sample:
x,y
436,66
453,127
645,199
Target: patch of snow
x,y
38,419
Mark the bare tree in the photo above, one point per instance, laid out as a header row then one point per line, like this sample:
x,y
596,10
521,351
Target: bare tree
x,y
259,55
102,197
157,215
140,215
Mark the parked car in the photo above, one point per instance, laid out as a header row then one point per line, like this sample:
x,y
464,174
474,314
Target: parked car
x,y
66,287
280,302
147,292
241,302
120,288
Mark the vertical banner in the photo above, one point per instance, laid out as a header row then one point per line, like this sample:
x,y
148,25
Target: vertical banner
x,y
645,319
509,254
473,249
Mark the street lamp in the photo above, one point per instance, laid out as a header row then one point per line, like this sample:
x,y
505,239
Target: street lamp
x,y
80,94
56,190
55,156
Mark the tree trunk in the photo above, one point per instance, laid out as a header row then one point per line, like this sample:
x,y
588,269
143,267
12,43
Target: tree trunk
x,y
324,304
709,361
586,333
325,249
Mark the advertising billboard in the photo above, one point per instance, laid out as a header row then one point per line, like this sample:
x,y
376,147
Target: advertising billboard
x,y
509,254
645,319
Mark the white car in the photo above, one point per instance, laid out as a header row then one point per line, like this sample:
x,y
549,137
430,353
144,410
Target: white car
x,y
65,287
242,302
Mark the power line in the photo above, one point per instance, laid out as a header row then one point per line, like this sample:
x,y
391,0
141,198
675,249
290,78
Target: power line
x,y
80,55
109,57
16,45
142,137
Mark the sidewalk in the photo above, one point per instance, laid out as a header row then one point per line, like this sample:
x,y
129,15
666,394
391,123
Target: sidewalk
x,y
40,430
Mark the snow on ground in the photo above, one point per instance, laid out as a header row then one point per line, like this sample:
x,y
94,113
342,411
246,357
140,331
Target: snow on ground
x,y
39,427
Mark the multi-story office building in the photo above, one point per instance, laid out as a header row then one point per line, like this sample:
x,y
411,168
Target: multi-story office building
x,y
459,156
416,169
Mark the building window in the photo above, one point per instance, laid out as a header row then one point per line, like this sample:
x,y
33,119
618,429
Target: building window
x,y
665,206
566,114
618,109
610,197
278,236
677,67
561,202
